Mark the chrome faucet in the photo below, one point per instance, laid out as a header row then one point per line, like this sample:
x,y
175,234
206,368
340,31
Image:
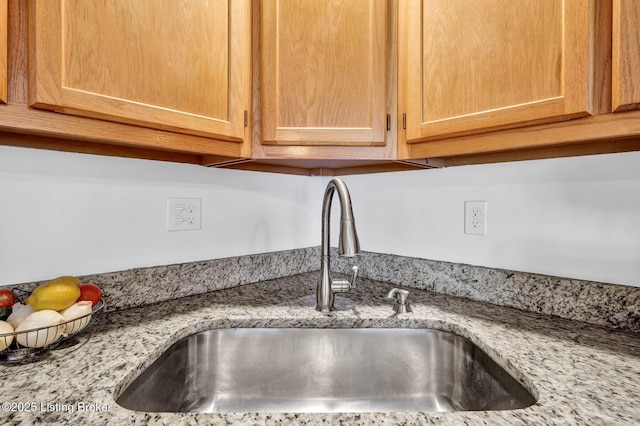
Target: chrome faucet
x,y
348,246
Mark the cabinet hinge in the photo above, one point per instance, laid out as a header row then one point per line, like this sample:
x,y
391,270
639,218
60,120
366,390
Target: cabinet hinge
x,y
388,122
246,118
404,120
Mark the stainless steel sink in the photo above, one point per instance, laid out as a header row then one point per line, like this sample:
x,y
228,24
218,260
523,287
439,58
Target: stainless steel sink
x,y
324,370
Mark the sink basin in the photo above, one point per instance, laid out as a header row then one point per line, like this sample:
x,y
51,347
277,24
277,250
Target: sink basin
x,y
324,370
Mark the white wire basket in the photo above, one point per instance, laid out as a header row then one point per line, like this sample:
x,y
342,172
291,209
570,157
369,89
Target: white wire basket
x,y
26,345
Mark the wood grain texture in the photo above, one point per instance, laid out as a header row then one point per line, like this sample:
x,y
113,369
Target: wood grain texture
x,y
470,67
602,57
81,132
626,55
17,52
555,151
175,65
589,129
19,118
171,57
91,147
491,45
324,72
4,70
48,130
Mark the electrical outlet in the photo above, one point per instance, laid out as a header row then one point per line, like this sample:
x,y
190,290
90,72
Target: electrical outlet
x,y
183,214
475,217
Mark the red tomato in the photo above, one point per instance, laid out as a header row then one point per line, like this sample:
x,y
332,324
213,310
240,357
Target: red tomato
x,y
90,292
6,298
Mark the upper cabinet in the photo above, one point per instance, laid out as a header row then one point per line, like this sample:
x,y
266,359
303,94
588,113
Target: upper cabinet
x,y
626,55
4,24
324,72
469,67
165,64
321,87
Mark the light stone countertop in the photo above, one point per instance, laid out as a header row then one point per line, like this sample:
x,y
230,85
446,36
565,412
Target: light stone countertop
x,y
581,374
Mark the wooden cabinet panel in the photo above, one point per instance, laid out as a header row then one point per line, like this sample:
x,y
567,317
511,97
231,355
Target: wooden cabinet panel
x,y
323,68
469,67
626,55
175,65
4,24
325,75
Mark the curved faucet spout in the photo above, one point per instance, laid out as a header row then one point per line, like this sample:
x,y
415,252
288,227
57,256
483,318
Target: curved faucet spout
x,y
348,244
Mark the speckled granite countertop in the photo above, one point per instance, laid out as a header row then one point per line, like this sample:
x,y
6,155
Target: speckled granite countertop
x,y
580,374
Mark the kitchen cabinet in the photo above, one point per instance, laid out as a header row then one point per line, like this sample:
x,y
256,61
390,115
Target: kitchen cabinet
x,y
321,88
472,67
4,24
324,76
171,65
626,55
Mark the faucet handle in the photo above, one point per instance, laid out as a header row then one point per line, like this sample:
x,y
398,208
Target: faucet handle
x,y
354,276
340,286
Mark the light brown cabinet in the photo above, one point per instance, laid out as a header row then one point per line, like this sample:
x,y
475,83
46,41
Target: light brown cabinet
x,y
324,78
319,87
626,55
172,65
470,67
4,24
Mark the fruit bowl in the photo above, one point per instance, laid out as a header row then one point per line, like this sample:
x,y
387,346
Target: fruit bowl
x,y
25,345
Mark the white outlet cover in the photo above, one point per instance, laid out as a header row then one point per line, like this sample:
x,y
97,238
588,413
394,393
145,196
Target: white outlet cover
x,y
184,214
475,217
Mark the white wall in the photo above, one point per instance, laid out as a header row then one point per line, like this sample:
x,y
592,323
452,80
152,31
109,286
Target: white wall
x,y
74,214
571,217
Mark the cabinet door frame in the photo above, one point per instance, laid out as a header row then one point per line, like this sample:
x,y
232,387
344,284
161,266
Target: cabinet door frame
x,y
4,64
625,94
274,134
47,89
577,80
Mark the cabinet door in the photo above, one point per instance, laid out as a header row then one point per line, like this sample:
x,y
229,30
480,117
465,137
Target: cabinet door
x,y
323,72
4,23
176,65
473,66
626,55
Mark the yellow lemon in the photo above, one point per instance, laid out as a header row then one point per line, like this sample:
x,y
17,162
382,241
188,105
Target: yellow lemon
x,y
65,280
57,294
